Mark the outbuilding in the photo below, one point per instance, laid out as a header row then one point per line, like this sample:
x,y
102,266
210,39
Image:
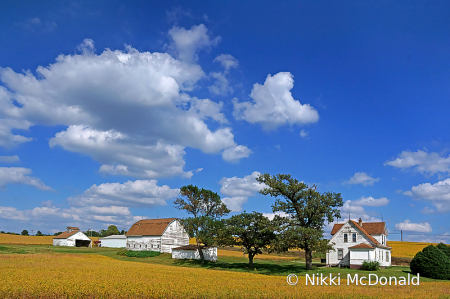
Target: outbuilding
x,y
113,241
157,235
191,252
72,237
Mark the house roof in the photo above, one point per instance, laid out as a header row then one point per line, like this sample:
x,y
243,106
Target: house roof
x,y
361,246
65,235
189,247
373,228
149,227
73,227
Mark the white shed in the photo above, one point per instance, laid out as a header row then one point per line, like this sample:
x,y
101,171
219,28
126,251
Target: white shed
x,y
191,252
157,235
113,241
72,237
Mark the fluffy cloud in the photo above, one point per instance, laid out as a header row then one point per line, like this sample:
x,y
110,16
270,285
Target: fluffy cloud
x,y
227,61
126,109
9,159
187,42
370,201
415,227
304,134
438,194
235,153
221,85
19,175
361,178
273,105
239,189
422,162
139,193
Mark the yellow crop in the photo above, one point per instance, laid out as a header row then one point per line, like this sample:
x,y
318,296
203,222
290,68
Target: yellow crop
x,y
94,276
407,249
29,240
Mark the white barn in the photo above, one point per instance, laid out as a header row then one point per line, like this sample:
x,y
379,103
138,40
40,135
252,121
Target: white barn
x,y
157,235
72,237
356,242
113,241
191,252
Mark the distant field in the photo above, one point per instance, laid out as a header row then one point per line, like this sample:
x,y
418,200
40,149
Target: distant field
x,y
407,249
29,240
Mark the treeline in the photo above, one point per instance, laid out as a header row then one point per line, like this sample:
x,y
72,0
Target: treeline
x,y
300,212
112,230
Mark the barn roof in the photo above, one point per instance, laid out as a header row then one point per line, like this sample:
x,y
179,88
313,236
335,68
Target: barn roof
x,y
65,235
149,227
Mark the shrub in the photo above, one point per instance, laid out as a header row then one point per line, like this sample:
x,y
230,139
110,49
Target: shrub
x,y
444,248
431,262
370,266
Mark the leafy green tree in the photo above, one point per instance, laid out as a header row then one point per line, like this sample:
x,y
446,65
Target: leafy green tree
x,y
253,231
306,212
39,233
103,233
444,248
431,262
2,232
25,233
112,230
206,209
58,233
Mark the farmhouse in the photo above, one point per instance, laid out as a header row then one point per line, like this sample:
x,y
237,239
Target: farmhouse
x,y
72,237
356,242
191,252
113,241
157,235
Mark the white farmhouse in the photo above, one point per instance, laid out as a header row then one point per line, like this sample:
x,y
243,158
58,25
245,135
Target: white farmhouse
x,y
72,237
191,252
157,235
355,242
113,241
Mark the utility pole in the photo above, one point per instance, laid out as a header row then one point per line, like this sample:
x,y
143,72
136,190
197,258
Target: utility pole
x,y
401,233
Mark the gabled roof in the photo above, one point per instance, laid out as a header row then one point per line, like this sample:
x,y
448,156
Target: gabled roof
x,y
65,235
337,227
73,227
372,228
361,246
149,227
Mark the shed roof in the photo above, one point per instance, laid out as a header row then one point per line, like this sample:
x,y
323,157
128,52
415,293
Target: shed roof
x,y
189,247
149,227
114,237
65,235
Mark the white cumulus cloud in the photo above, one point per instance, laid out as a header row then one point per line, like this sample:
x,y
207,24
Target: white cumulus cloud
x,y
415,227
9,159
438,194
361,178
236,153
20,175
273,105
422,162
370,201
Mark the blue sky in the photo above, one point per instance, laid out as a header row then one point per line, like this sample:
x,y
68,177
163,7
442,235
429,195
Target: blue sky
x,y
108,108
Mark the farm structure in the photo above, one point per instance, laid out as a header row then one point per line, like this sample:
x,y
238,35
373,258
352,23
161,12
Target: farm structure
x,y
72,237
113,241
156,235
356,242
191,252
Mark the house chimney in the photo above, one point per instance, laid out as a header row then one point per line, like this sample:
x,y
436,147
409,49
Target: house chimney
x,y
360,222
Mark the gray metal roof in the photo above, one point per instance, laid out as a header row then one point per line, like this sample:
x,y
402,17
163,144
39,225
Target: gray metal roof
x,y
114,237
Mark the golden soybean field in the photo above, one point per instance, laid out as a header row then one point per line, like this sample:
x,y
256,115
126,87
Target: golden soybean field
x,y
94,276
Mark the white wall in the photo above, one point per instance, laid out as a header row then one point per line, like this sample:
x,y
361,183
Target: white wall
x,y
141,243
70,241
113,243
210,254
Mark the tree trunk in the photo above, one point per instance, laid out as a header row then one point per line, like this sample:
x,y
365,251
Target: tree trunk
x,y
200,251
250,260
308,258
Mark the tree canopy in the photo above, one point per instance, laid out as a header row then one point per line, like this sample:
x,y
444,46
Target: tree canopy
x,y
24,233
253,231
305,212
112,230
206,209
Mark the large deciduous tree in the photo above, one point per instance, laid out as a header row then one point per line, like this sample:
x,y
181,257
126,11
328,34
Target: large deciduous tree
x,y
112,230
306,211
206,209
253,231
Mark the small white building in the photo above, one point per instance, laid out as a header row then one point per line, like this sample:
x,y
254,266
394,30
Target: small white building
x,y
113,241
356,242
157,235
191,252
72,237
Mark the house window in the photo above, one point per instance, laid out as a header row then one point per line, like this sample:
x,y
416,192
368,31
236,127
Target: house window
x,y
340,254
387,256
345,238
354,238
